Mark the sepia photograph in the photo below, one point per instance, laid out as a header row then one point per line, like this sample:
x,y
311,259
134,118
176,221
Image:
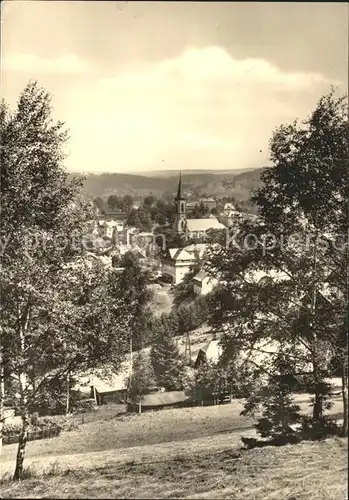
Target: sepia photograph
x,y
174,250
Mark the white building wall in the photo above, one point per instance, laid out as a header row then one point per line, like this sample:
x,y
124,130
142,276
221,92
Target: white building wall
x,y
181,271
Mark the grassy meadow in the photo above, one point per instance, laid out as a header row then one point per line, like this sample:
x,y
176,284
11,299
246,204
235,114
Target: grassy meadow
x,y
175,453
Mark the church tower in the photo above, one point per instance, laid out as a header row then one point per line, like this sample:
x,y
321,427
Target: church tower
x,y
180,220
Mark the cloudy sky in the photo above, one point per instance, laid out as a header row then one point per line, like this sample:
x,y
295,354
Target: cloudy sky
x,y
152,86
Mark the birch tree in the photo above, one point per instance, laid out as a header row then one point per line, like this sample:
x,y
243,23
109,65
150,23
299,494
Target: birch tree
x,y
60,312
303,210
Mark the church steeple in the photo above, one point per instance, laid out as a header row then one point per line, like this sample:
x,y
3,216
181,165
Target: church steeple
x,y
180,219
179,191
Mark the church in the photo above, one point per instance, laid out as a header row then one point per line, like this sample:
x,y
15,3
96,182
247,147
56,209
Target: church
x,y
178,261
192,228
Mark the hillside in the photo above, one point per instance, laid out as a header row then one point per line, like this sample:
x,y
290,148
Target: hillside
x,y
183,453
223,183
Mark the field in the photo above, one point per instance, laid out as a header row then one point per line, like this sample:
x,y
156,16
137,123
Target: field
x,y
187,453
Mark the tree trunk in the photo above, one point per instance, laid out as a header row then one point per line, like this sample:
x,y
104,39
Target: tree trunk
x,y
344,377
68,394
2,403
140,405
23,438
318,398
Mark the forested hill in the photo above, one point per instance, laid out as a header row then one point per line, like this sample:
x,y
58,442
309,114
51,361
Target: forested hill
x,y
210,184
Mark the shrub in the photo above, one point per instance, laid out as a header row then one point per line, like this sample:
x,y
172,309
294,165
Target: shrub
x,y
325,427
278,412
84,406
44,428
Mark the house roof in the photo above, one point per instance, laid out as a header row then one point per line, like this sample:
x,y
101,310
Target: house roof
x,y
195,225
202,274
196,247
212,350
180,254
164,398
265,349
103,383
229,206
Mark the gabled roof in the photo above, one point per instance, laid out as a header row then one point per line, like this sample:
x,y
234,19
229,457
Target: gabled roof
x,y
203,224
212,350
103,383
229,206
201,275
180,254
196,247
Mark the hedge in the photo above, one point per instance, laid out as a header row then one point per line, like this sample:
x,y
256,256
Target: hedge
x,y
42,429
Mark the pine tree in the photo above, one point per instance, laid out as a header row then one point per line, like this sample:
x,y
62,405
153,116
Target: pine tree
x,y
142,379
167,362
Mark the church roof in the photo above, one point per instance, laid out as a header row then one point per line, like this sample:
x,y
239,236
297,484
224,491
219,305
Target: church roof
x,y
203,224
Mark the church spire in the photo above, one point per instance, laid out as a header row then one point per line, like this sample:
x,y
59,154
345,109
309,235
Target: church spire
x,y
179,223
179,191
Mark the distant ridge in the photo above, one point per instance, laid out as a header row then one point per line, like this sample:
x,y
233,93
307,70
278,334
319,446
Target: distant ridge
x,y
173,172
237,183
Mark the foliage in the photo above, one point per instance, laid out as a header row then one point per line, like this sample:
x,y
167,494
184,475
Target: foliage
x,y
200,211
300,304
62,312
184,290
273,400
167,362
51,398
133,282
42,429
100,204
142,378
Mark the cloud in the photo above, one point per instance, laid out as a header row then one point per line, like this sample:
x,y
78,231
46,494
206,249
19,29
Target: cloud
x,y
203,109
30,63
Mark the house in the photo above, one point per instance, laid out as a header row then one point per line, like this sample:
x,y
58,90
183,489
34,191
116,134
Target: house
x,y
190,206
229,216
198,228
203,283
138,252
197,249
107,227
177,263
211,353
105,389
209,203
